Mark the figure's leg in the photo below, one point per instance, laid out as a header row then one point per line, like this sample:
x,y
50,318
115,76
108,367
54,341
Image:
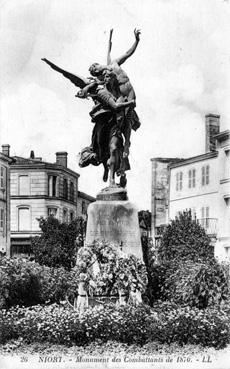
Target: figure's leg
x,y
127,133
113,161
106,172
123,180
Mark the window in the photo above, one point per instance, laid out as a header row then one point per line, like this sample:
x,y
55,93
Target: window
x,y
71,191
65,189
83,207
2,177
192,178
23,182
193,213
71,214
65,215
52,186
52,212
179,181
205,175
1,219
24,219
205,217
227,251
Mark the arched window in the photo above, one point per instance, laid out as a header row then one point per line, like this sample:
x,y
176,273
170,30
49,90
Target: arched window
x,y
71,215
65,216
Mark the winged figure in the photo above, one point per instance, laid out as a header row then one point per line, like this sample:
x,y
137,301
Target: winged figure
x,y
78,81
113,113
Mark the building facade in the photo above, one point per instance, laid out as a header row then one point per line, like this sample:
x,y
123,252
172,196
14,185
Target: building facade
x,y
83,202
5,162
40,189
202,184
194,186
160,195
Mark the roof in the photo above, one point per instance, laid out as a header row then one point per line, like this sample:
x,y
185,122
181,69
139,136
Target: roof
x,y
193,159
6,158
86,196
222,134
28,163
166,160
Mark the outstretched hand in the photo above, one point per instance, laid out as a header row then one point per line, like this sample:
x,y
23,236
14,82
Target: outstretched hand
x,y
137,33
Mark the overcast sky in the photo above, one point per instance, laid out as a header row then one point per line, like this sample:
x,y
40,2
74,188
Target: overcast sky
x,y
180,72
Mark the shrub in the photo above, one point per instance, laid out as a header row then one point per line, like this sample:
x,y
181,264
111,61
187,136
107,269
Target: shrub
x,y
157,275
208,327
184,239
28,283
59,242
196,284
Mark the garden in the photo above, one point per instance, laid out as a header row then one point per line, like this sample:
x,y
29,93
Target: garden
x,y
98,299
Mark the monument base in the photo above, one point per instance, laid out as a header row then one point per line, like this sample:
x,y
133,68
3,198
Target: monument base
x,y
115,222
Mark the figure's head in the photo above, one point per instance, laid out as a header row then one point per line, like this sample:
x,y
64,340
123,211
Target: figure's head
x,y
96,69
109,76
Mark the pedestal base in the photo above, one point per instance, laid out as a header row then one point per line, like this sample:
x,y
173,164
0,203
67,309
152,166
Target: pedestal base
x,y
115,222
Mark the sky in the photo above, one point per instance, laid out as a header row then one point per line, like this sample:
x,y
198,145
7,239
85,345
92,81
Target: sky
x,y
180,72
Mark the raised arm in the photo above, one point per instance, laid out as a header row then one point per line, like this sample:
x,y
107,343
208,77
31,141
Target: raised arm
x,y
130,52
109,47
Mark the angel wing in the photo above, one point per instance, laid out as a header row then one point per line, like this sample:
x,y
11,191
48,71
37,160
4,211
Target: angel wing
x,y
78,81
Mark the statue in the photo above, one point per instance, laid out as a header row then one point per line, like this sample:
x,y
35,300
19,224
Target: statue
x,y
126,89
113,114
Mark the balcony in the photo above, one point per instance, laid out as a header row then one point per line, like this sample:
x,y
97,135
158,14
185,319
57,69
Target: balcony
x,y
210,225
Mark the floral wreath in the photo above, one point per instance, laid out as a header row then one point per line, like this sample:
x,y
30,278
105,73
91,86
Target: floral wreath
x,y
105,270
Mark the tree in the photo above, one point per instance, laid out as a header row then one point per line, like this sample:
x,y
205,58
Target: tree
x,y
59,242
185,239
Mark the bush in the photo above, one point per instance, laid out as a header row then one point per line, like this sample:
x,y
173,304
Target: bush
x,y
208,327
157,275
185,239
199,284
165,323
28,283
59,242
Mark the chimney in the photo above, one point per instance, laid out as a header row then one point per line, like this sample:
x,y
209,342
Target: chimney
x,y
6,150
61,158
32,154
212,128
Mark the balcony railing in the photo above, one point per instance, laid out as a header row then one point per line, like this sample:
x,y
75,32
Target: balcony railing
x,y
210,225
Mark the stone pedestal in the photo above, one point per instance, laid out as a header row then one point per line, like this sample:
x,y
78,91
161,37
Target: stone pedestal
x,y
115,221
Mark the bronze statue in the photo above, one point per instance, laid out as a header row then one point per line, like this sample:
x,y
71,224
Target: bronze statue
x,y
126,89
113,114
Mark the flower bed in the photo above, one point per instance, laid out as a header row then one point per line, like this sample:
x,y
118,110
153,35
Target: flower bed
x,y
57,324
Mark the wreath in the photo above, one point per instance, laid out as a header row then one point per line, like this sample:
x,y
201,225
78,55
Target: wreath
x,y
107,270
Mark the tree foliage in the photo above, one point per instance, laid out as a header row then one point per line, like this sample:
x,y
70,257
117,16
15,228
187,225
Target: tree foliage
x,y
185,239
27,283
202,284
59,242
